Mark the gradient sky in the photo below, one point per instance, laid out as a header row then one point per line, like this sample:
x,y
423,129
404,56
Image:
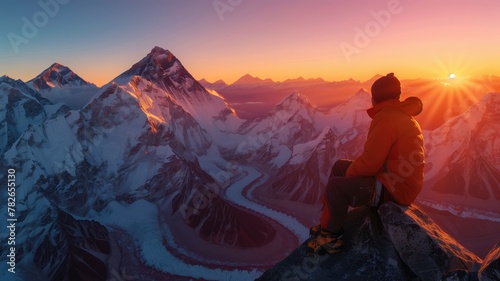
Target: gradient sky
x,y
270,39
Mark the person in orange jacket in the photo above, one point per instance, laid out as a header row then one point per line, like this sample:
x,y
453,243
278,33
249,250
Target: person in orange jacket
x,y
390,168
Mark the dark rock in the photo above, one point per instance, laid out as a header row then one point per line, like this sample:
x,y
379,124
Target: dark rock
x,y
490,270
423,245
460,275
393,243
367,254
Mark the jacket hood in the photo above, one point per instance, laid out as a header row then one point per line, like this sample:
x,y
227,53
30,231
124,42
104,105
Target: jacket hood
x,y
412,106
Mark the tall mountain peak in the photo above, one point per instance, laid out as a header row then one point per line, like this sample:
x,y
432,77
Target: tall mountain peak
x,y
295,99
58,67
164,70
159,66
159,50
6,79
56,76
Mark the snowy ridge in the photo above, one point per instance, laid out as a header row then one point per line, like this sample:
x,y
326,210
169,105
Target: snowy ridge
x,y
164,70
294,106
161,108
307,170
451,135
56,76
344,118
464,158
60,84
20,108
272,136
304,150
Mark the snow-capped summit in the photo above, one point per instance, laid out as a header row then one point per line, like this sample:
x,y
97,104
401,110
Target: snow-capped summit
x,y
163,69
288,123
348,115
295,106
296,101
56,76
60,84
158,64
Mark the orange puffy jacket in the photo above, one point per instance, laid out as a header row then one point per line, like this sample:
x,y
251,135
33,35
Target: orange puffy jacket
x,y
394,150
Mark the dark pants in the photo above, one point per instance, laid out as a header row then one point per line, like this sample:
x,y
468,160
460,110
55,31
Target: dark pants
x,y
342,192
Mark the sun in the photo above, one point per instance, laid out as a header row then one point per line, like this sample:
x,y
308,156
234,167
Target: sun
x,y
452,76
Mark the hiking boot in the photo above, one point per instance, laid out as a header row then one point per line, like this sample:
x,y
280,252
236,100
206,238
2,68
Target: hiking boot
x,y
315,230
324,243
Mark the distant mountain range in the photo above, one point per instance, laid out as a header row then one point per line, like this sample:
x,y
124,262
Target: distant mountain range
x,y
445,98
158,174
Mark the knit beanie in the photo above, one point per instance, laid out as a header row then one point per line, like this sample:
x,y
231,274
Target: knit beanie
x,y
385,88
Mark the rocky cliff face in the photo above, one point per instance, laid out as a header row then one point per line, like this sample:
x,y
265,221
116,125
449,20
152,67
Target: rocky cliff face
x,y
64,248
490,270
391,243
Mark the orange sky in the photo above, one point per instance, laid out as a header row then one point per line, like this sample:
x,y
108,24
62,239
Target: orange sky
x,y
335,40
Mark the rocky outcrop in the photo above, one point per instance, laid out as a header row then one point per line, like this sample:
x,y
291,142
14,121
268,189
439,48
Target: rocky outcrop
x,y
65,248
422,245
490,270
391,243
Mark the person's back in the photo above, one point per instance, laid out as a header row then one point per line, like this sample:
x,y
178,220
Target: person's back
x,y
394,150
390,168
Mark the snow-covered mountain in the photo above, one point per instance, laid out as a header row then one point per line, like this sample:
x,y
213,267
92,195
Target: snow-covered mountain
x,y
342,133
131,142
463,162
60,84
163,69
305,174
53,245
271,137
292,119
20,108
56,76
349,122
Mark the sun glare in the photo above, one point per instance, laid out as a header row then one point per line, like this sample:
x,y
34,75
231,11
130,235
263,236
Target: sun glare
x,y
450,93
